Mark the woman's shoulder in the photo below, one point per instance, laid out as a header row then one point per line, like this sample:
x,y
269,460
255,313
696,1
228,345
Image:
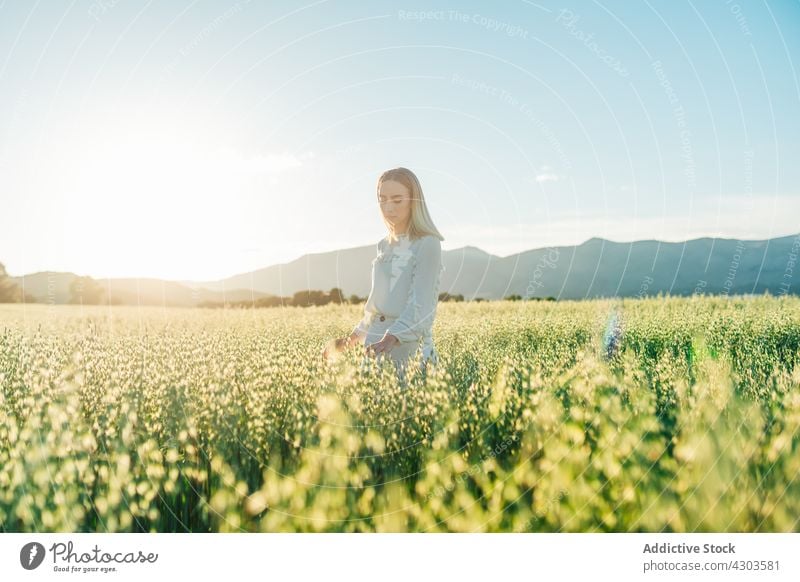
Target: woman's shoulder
x,y
428,247
429,241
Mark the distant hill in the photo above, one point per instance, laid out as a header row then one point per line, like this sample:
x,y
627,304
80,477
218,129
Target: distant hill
x,y
53,287
595,268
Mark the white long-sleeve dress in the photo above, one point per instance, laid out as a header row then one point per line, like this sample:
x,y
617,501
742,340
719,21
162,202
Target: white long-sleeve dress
x,y
406,276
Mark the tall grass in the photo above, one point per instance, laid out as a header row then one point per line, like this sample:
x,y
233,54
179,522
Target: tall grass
x,y
539,417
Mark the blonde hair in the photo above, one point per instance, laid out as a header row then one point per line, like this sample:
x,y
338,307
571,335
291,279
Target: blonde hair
x,y
421,223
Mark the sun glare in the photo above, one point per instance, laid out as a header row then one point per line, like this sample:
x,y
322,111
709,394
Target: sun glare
x,y
159,200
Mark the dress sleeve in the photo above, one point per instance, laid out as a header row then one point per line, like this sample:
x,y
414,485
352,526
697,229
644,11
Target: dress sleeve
x,y
418,315
363,326
360,330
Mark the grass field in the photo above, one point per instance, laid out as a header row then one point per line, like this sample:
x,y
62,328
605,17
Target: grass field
x,y
678,414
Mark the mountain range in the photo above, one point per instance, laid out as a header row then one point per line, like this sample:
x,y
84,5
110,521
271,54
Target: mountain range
x,y
595,268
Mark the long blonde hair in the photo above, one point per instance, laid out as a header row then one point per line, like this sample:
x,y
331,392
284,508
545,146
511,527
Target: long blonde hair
x,y
421,223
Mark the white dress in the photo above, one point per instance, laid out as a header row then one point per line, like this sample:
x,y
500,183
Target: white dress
x,y
406,276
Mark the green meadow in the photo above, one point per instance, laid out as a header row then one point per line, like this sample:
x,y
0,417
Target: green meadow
x,y
644,415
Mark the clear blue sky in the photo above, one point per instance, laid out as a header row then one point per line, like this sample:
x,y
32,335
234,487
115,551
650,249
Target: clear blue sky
x,y
202,139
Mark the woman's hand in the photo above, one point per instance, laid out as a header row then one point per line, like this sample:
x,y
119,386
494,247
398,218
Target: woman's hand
x,y
386,343
332,348
351,340
335,346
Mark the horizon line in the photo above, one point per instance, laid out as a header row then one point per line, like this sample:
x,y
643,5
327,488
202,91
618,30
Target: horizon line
x,y
221,279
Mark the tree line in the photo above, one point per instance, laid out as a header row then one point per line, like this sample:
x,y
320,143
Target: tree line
x,y
308,298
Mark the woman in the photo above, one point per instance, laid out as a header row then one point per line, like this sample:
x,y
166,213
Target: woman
x,y
406,274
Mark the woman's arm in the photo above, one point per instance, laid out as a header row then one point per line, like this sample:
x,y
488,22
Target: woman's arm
x,y
359,332
354,338
343,343
419,312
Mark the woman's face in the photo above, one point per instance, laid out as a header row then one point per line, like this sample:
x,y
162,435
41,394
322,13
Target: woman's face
x,y
395,201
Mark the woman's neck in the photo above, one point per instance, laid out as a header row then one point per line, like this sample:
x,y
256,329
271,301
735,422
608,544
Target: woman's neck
x,y
398,236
